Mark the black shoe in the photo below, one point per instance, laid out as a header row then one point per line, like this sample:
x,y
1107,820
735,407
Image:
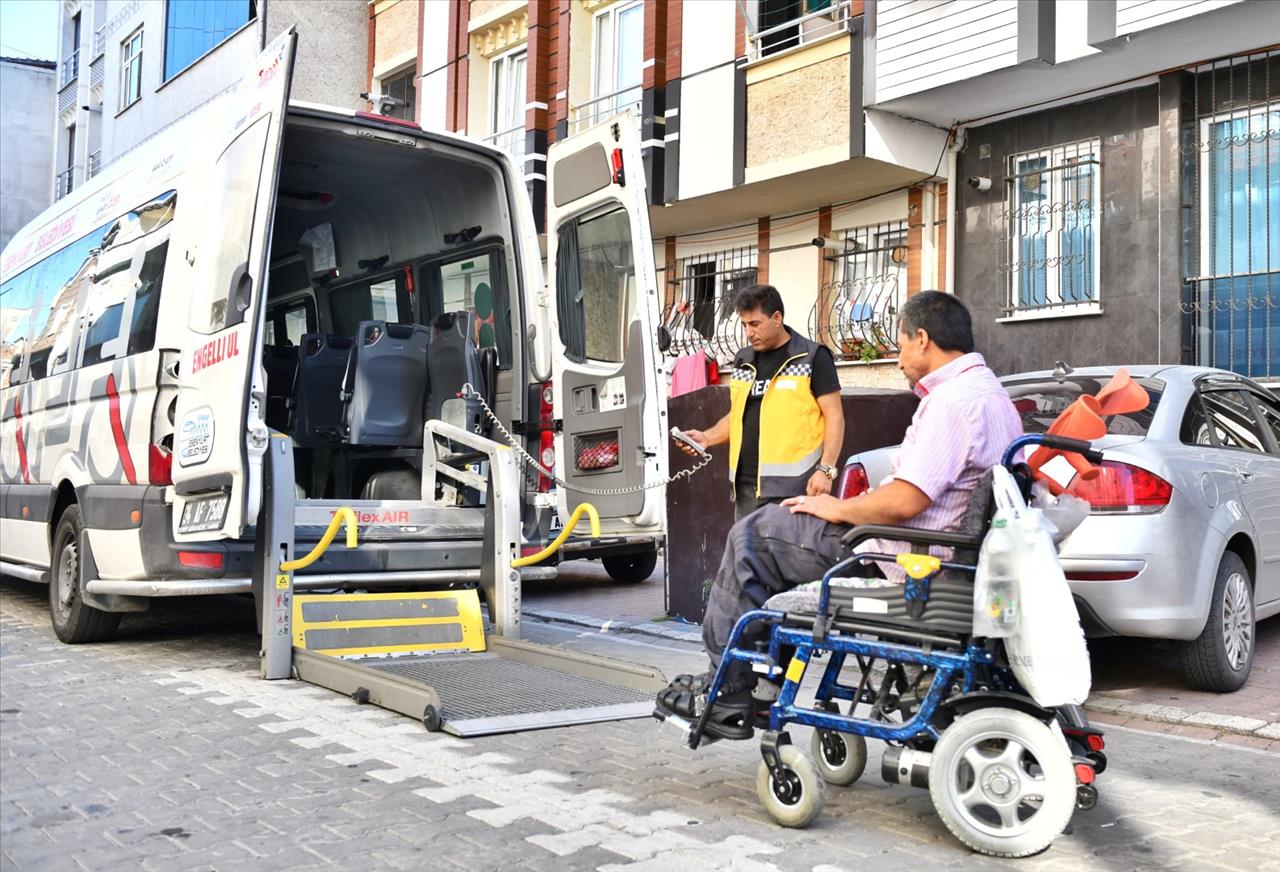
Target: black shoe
x,y
731,715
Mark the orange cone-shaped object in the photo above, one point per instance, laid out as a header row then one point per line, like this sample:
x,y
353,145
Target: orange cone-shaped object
x,y
1080,420
1122,395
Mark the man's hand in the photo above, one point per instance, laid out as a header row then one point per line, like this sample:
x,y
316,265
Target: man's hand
x,y
697,436
819,484
823,506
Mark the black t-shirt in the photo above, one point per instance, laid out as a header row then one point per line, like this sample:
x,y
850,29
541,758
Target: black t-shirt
x,y
822,381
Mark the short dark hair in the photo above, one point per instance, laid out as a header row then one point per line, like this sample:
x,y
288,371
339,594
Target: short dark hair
x,y
763,297
942,316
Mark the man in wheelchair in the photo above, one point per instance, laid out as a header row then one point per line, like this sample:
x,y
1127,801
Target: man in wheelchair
x,y
964,422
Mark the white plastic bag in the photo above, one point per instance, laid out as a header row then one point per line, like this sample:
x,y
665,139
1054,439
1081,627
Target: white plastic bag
x,y
1046,650
1063,512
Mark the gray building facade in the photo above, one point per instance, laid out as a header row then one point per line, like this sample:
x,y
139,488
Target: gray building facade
x,y
26,102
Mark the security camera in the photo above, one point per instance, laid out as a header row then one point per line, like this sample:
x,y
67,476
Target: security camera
x,y
979,183
818,242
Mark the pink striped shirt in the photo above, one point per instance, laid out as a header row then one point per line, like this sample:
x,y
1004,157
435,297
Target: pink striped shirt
x,y
961,428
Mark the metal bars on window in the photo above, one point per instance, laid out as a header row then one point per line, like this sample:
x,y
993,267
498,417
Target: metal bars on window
x,y
1231,181
701,315
1050,226
856,313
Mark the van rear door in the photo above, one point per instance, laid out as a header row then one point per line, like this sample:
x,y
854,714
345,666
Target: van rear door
x,y
607,393
220,437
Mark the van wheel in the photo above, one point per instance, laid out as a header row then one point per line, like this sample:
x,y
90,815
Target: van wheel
x,y
73,621
630,568
1220,658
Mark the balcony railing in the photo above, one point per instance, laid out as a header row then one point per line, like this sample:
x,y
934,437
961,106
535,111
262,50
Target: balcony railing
x,y
70,69
805,28
63,182
100,41
95,163
594,111
512,142
67,96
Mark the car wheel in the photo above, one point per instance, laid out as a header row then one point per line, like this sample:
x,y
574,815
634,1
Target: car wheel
x,y
1220,658
74,622
630,568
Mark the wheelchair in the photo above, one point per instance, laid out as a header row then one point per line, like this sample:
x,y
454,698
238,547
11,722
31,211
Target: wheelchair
x,y
1005,775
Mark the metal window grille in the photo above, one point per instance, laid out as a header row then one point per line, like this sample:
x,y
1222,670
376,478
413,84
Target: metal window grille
x,y
1050,222
1231,179
856,314
701,314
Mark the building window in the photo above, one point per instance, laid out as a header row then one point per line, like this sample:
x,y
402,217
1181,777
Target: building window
x,y
194,27
506,102
399,97
619,50
1052,227
131,70
856,315
701,315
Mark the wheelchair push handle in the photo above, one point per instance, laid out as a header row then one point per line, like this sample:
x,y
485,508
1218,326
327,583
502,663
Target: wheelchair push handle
x,y
1062,443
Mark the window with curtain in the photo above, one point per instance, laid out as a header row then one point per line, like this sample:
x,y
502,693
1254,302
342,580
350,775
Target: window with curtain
x,y
192,28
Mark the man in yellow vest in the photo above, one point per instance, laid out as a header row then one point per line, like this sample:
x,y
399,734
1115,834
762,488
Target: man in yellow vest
x,y
785,424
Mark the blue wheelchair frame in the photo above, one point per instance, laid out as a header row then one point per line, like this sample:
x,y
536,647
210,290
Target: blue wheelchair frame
x,y
808,644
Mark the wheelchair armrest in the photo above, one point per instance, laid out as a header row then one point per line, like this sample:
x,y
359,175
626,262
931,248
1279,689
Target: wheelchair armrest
x,y
914,535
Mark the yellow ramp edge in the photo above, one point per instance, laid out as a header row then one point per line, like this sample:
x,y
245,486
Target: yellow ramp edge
x,y
364,624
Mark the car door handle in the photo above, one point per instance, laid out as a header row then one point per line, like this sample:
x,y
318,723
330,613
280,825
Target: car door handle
x,y
1245,477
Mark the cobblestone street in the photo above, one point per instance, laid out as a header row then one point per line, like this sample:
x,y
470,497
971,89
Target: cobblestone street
x,y
164,751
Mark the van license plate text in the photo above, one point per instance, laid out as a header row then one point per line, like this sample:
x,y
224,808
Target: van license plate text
x,y
203,514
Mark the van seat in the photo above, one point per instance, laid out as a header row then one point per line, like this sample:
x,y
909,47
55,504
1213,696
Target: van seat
x,y
385,384
281,363
322,361
454,361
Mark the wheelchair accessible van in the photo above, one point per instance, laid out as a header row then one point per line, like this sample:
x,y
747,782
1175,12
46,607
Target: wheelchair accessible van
x,y
1005,774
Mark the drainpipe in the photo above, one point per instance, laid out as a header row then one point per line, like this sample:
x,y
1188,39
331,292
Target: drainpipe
x,y
957,144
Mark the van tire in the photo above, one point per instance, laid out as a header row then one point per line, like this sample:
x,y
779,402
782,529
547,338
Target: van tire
x,y
74,622
631,568
1220,658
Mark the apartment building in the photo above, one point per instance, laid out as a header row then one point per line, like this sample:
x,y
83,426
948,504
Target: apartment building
x,y
26,102
761,159
1121,160
129,68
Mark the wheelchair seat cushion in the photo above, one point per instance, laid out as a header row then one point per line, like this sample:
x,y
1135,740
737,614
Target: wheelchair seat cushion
x,y
949,607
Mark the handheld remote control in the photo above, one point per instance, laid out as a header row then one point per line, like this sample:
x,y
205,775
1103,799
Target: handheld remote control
x,y
679,435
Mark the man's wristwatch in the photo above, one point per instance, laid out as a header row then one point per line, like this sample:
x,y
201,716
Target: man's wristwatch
x,y
829,471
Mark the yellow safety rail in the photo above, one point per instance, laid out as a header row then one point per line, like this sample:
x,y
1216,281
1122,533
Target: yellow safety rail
x,y
583,508
342,514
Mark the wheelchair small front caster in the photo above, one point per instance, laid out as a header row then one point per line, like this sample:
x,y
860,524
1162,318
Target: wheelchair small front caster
x,y
790,790
841,758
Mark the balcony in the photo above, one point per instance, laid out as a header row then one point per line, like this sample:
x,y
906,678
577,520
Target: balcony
x,y
95,163
99,42
97,72
594,111
70,69
63,182
823,20
512,142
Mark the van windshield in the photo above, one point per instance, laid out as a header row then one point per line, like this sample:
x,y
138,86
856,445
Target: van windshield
x,y
1040,401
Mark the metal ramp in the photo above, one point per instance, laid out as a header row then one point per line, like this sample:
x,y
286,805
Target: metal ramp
x,y
426,654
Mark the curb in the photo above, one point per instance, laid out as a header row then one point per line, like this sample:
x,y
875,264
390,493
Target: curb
x,y
1166,714
669,631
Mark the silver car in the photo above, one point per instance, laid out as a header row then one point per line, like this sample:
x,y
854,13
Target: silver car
x,y
1183,542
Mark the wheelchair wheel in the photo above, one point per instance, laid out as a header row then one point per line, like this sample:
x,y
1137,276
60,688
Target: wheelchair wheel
x,y
841,758
796,798
1002,782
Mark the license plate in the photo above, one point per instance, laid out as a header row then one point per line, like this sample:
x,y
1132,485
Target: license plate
x,y
203,514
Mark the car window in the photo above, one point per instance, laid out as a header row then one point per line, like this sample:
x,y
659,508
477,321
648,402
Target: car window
x,y
1233,421
1195,426
1040,401
1270,411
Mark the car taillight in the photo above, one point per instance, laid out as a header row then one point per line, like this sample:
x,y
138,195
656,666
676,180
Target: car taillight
x,y
159,465
1122,488
546,443
853,481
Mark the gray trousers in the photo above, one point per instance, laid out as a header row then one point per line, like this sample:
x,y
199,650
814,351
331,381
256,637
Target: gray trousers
x,y
768,552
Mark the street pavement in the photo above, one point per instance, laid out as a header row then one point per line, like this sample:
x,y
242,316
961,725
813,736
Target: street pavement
x,y
163,750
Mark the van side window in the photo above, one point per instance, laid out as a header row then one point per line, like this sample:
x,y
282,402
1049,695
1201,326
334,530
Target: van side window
x,y
595,278
384,299
108,293
476,284
53,294
146,303
287,323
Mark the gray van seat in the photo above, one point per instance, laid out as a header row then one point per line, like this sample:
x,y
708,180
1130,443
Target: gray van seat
x,y
281,364
453,361
385,384
317,407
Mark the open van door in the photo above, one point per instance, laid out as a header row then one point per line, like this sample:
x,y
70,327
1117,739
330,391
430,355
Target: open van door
x,y
220,435
609,400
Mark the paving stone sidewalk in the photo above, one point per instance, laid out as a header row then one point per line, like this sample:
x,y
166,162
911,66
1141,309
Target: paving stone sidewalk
x,y
164,750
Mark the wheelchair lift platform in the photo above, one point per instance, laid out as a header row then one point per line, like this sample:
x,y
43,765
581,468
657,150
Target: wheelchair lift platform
x,y
426,654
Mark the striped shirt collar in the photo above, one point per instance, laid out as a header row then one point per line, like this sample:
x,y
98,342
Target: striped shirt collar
x,y
942,374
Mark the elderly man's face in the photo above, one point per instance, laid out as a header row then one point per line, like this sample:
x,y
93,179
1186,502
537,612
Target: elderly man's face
x,y
912,355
